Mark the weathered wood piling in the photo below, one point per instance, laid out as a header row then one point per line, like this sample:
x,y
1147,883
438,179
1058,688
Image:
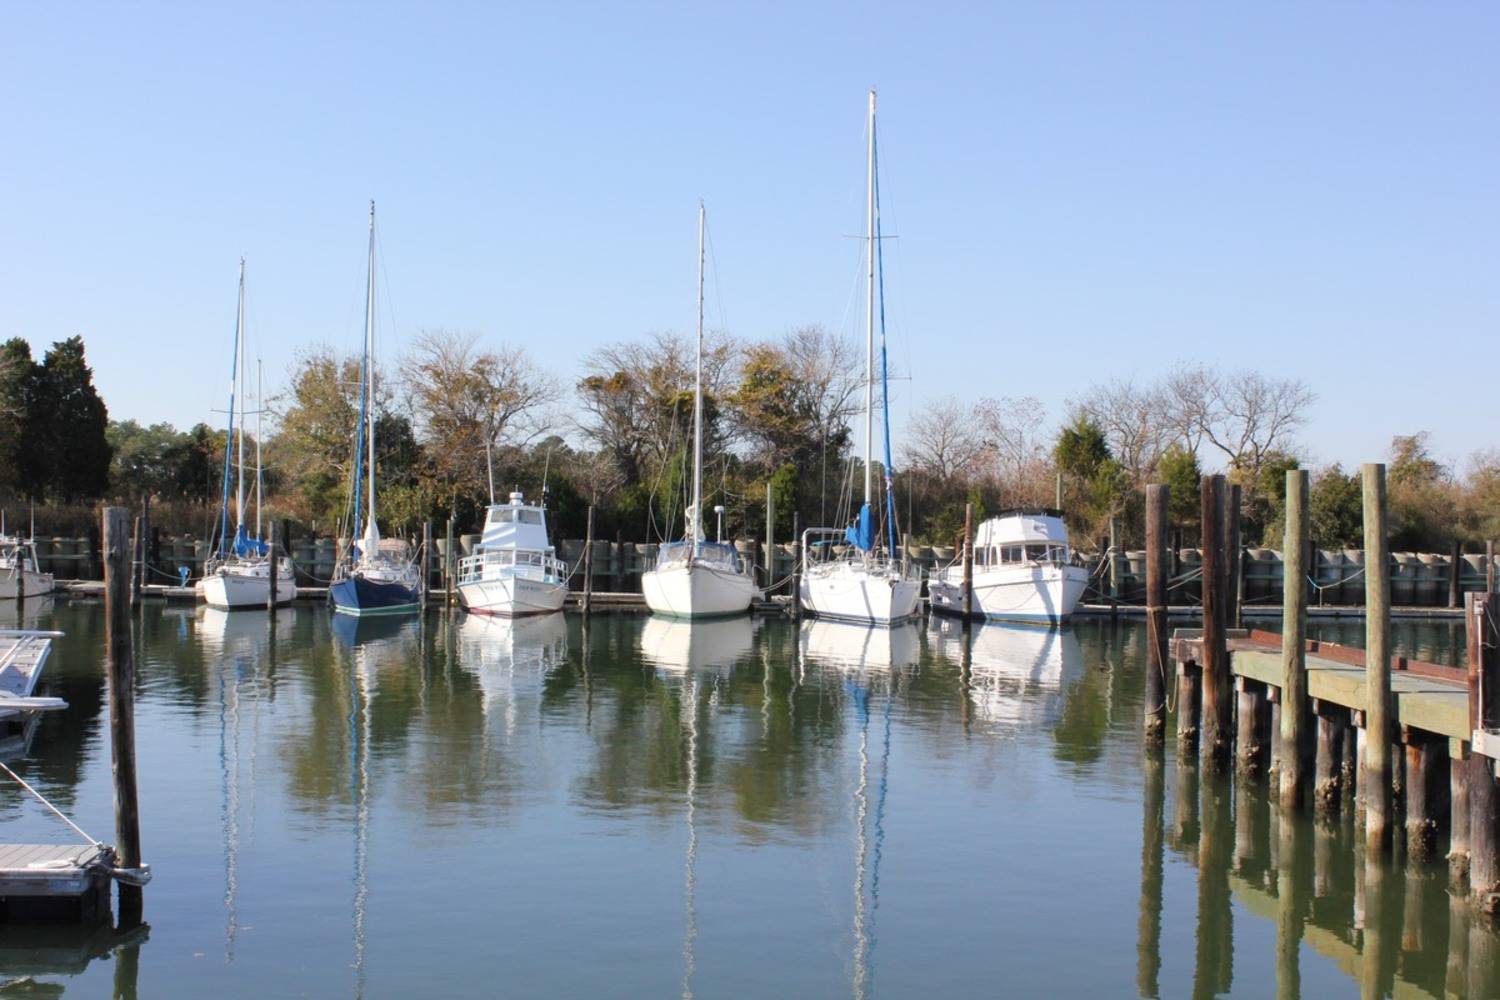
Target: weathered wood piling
x,y
1158,500
120,668
1295,756
1217,737
968,557
1378,730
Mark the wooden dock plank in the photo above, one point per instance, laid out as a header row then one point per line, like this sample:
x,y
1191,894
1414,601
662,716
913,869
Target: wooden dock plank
x,y
1425,703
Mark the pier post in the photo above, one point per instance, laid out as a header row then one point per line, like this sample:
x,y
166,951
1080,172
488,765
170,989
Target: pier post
x,y
1424,782
1484,798
137,545
796,565
968,556
588,562
617,582
1251,748
145,533
426,561
1378,730
1458,814
1455,567
1232,575
1489,567
1114,567
1189,708
1215,742
120,667
1328,764
771,540
1295,758
448,581
1158,501
271,597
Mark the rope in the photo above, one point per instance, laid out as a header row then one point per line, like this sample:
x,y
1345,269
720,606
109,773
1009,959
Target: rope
x,y
56,811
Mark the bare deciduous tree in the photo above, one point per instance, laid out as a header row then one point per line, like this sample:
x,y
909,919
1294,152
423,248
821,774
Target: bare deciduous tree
x,y
943,441
1245,415
1137,422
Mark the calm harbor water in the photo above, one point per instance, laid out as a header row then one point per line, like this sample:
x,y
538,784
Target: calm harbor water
x,y
471,807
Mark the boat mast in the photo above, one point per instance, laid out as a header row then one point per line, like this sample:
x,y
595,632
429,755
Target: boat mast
x,y
260,407
870,307
370,530
239,499
697,525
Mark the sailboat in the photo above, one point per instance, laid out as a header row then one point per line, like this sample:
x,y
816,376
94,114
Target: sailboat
x,y
864,585
376,576
696,578
239,574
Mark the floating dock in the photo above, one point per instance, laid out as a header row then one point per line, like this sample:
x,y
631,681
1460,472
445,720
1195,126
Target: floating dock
x,y
62,882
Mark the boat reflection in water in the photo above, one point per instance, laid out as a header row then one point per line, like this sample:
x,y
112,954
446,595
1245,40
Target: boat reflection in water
x,y
850,646
387,638
1017,673
679,646
496,651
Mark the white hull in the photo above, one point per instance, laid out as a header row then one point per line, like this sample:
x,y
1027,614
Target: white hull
x,y
857,593
512,597
37,584
228,590
697,591
1039,594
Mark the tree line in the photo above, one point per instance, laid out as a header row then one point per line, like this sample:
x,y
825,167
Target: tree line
x,y
779,416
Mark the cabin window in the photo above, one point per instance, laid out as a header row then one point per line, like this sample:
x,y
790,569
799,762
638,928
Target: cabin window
x,y
529,516
1013,553
501,516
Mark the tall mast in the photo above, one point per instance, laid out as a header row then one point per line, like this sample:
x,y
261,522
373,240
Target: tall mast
x,y
697,525
260,407
870,307
370,530
239,499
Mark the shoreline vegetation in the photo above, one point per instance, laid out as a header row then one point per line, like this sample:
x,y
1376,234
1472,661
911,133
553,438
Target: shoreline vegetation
x,y
779,415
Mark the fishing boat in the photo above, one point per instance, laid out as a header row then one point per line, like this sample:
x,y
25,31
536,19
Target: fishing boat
x,y
696,578
239,574
1023,571
845,574
514,570
23,654
19,568
376,576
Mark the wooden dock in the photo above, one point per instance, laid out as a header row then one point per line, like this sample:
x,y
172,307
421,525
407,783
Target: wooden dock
x,y
40,882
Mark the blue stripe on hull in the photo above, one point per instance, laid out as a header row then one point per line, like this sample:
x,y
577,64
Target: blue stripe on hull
x,y
358,596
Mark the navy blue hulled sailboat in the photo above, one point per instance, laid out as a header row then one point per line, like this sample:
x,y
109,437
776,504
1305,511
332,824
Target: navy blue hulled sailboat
x,y
376,576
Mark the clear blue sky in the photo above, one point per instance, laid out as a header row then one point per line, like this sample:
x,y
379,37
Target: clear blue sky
x,y
1080,190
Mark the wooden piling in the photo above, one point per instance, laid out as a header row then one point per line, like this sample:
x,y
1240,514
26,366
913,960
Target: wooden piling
x,y
1252,710
1489,567
1218,709
1455,568
1425,783
1158,502
137,543
771,540
1484,798
120,668
1294,761
968,556
1232,574
796,566
1328,758
617,581
426,562
1114,567
1458,815
588,562
1378,729
448,581
271,596
145,532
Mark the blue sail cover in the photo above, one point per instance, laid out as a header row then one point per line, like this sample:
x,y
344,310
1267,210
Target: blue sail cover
x,y
861,534
245,546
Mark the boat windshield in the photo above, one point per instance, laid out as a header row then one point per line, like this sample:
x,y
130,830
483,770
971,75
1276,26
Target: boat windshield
x,y
721,553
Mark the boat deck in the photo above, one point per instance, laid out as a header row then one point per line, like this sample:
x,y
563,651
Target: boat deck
x,y
23,653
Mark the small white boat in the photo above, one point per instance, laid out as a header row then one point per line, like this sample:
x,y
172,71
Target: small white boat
x,y
695,578
514,570
23,654
239,575
863,583
18,569
1023,571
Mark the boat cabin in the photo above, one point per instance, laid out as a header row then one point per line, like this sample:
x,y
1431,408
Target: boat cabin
x,y
513,526
1022,537
16,551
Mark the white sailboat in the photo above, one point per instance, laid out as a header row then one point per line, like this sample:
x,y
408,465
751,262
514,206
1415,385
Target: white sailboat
x,y
378,576
239,576
696,578
865,585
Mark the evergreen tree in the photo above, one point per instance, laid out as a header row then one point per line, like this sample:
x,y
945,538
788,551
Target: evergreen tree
x,y
68,422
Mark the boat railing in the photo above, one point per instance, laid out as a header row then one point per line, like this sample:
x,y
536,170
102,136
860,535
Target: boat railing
x,y
471,567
